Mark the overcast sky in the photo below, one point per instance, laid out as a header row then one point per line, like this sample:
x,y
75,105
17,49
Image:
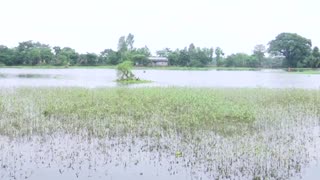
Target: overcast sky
x,y
94,25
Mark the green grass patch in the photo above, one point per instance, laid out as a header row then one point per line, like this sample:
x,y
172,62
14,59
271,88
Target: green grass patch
x,y
149,111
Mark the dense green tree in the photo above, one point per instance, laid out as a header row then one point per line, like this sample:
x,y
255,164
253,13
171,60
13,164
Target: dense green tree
x,y
61,59
200,57
140,56
241,60
144,50
7,55
173,57
66,56
88,59
209,53
57,50
140,59
32,53
293,47
92,59
313,61
184,58
33,56
46,55
110,56
191,56
23,52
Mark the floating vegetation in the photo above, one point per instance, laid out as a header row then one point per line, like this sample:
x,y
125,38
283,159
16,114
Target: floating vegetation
x,y
159,132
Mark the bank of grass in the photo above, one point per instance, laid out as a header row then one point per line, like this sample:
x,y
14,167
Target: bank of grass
x,y
149,111
303,70
307,72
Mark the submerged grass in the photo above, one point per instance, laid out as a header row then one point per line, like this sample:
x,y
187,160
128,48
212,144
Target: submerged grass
x,y
148,111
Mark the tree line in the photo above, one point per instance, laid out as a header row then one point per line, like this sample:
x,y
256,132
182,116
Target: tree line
x,y
36,53
286,50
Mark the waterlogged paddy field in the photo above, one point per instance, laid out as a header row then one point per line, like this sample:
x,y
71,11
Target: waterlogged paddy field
x,y
158,133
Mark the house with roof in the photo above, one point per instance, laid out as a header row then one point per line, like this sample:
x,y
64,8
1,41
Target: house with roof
x,y
158,61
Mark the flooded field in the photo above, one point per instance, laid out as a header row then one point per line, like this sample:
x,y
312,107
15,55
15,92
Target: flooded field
x,y
66,156
159,133
93,78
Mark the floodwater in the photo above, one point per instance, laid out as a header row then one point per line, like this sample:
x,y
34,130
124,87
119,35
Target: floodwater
x,y
292,153
93,78
72,157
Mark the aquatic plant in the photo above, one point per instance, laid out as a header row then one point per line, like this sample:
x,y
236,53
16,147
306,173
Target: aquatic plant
x,y
210,133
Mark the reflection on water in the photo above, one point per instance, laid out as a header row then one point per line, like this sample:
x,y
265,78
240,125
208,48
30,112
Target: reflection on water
x,y
92,78
74,157
283,153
